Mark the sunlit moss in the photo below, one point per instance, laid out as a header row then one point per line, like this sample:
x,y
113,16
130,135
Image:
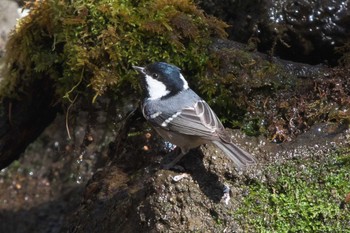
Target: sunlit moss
x,y
297,197
89,46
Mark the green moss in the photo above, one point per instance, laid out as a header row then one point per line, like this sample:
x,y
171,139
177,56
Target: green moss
x,y
87,46
298,197
234,79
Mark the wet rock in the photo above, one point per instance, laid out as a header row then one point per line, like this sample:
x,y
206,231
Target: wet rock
x,y
151,201
303,31
8,19
130,192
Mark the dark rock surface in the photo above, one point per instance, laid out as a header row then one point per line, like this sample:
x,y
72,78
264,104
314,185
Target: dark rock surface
x,y
303,31
76,188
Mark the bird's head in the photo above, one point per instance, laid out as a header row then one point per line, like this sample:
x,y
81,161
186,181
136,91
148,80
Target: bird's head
x,y
161,80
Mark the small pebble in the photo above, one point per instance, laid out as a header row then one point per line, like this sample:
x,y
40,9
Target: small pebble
x,y
179,177
226,197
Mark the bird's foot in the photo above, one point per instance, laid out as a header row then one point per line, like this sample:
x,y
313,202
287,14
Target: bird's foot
x,y
172,164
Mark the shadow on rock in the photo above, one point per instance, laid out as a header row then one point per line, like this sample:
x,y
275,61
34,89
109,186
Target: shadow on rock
x,y
48,217
208,181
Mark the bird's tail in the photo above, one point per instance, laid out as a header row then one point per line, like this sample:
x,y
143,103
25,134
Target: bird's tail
x,y
240,157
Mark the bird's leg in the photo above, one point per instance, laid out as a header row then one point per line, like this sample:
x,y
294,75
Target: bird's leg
x,y
174,161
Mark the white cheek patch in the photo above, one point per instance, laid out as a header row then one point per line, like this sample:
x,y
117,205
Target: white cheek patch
x,y
185,82
156,89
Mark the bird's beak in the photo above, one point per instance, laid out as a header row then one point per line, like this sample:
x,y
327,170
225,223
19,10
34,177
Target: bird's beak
x,y
139,69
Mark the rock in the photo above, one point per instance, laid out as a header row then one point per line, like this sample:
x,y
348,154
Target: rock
x,y
8,19
297,30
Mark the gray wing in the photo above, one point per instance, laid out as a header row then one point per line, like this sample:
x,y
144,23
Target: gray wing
x,y
198,120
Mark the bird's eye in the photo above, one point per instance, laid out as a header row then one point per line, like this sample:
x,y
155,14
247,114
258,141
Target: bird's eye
x,y
155,76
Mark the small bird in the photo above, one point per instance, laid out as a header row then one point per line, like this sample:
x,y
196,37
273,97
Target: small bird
x,y
180,116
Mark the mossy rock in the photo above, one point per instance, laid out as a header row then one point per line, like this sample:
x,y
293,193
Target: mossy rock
x,y
88,46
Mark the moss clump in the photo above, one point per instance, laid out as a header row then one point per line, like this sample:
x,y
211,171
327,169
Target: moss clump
x,y
270,98
234,80
86,46
297,197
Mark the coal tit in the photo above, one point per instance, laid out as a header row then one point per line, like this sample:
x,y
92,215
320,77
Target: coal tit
x,y
180,116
